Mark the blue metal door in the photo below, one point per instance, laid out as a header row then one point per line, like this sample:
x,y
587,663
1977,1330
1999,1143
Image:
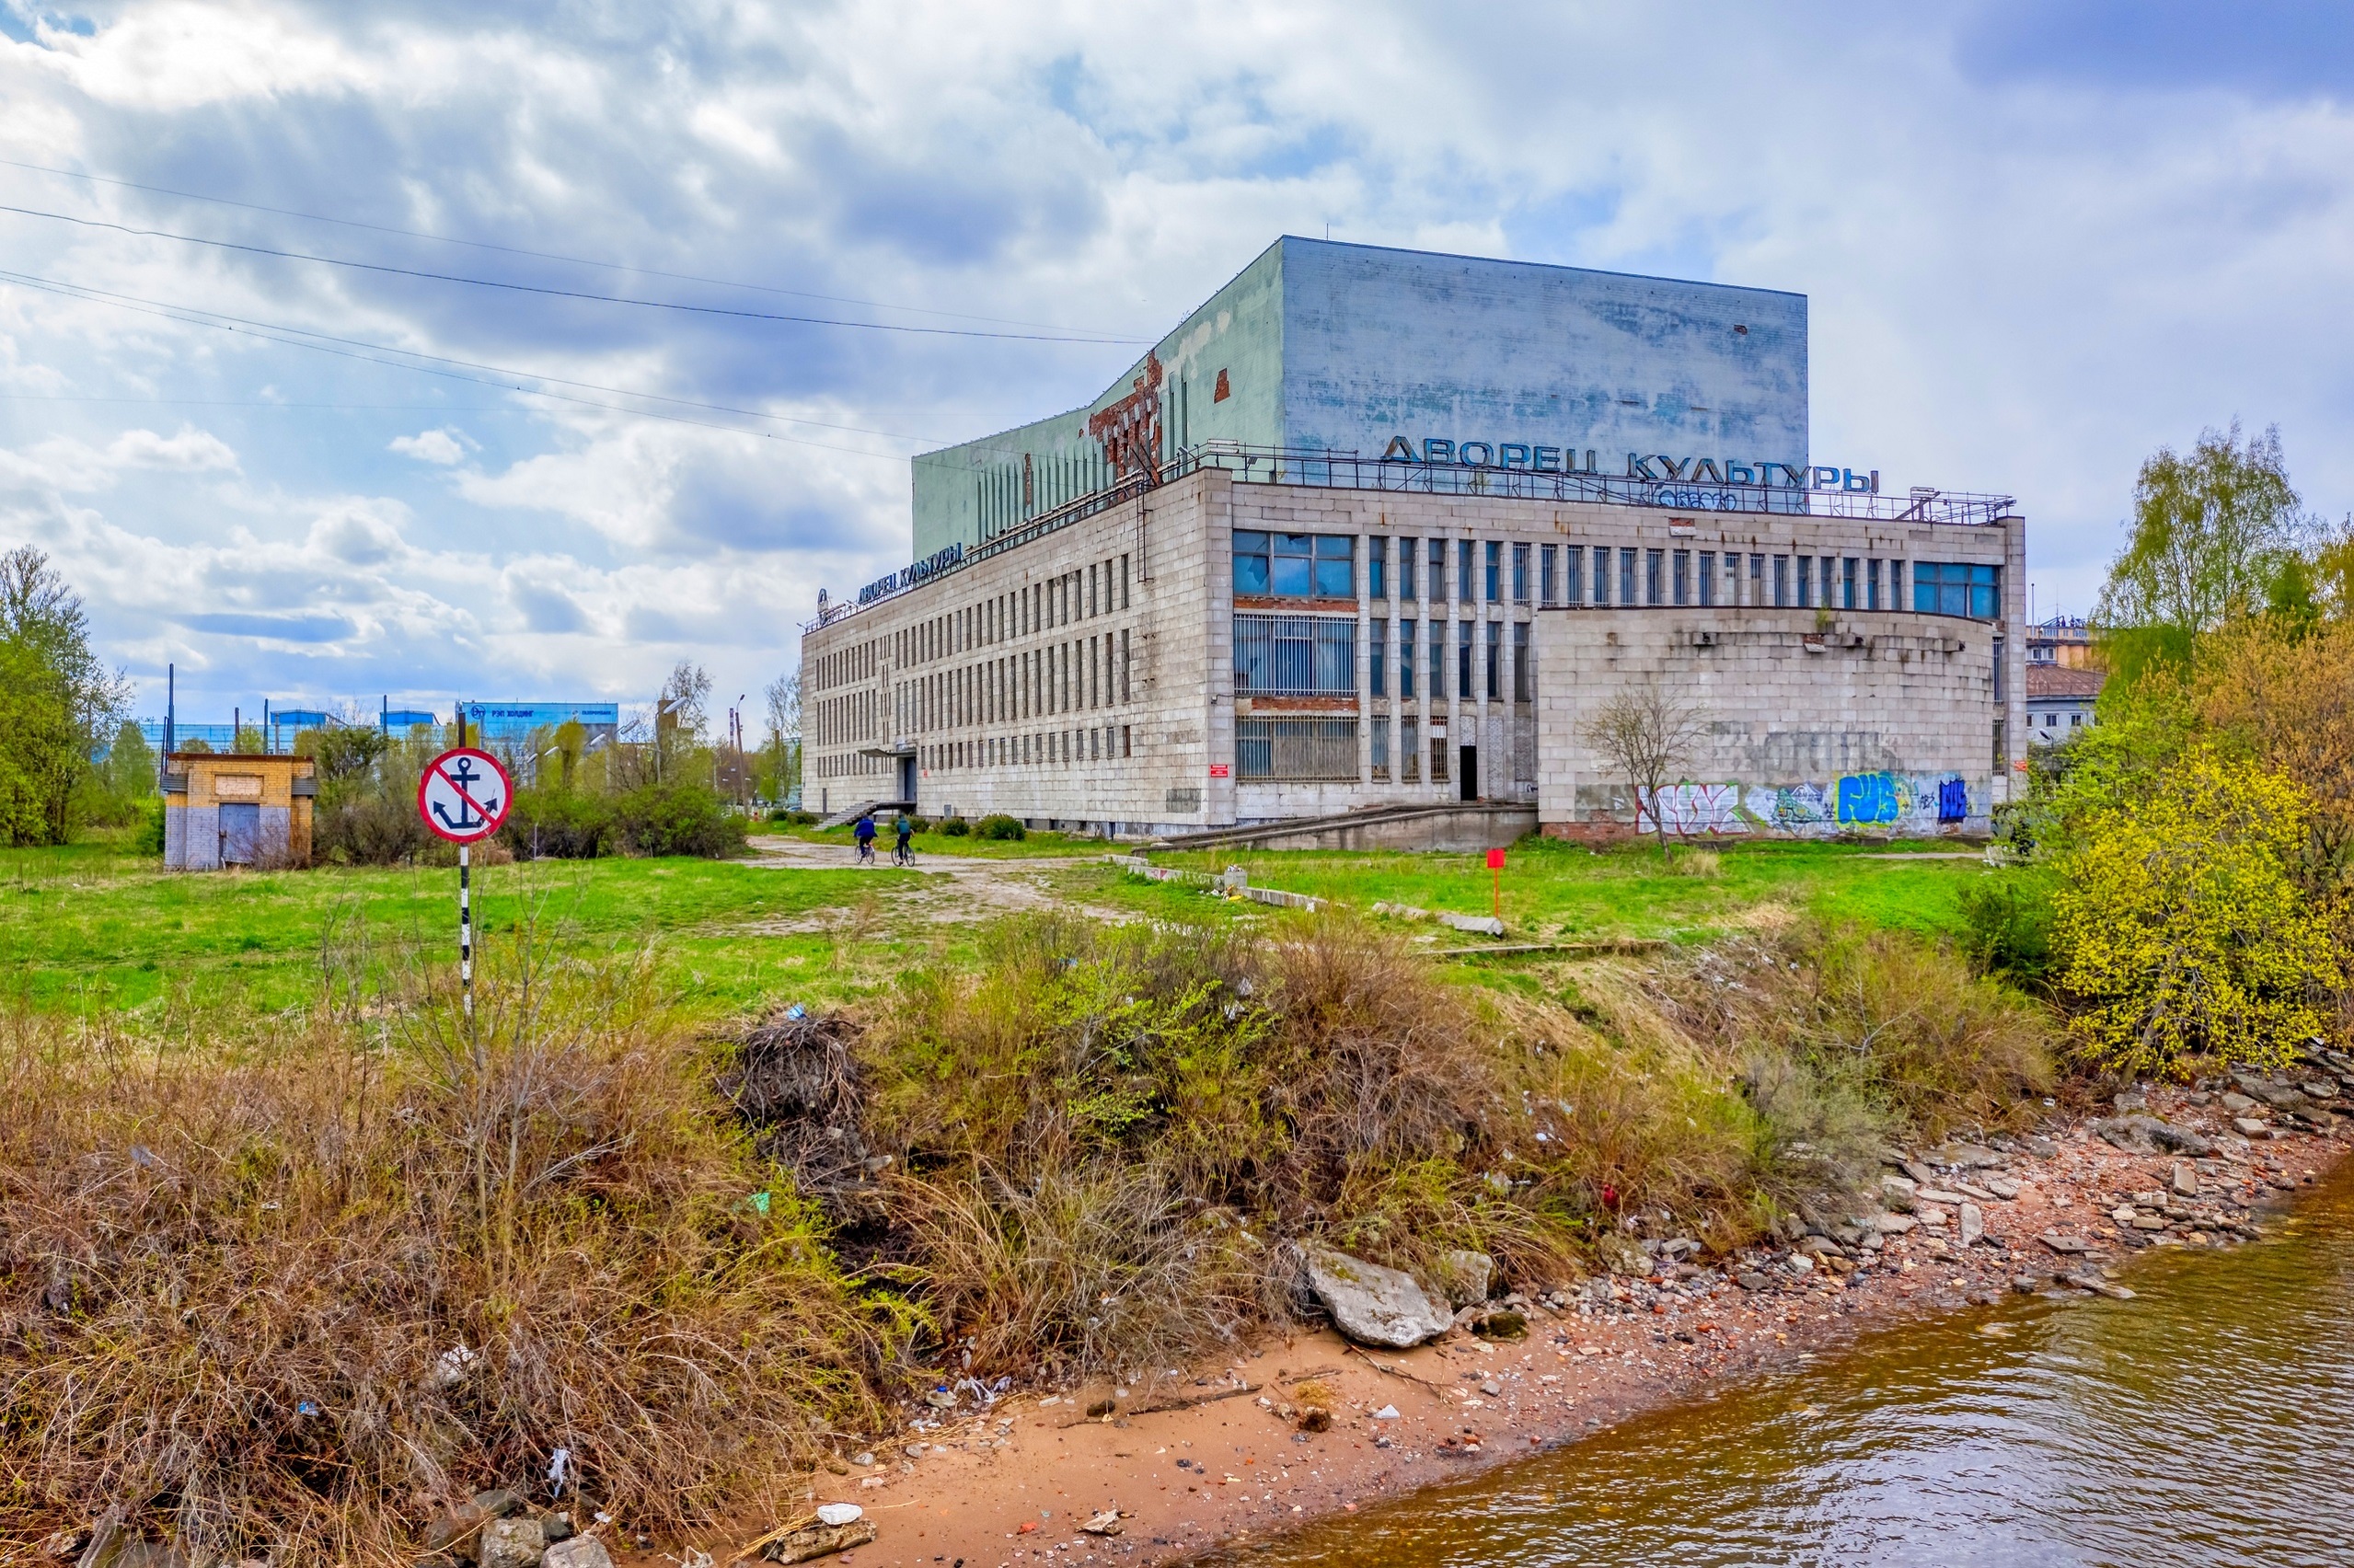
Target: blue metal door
x,y
240,832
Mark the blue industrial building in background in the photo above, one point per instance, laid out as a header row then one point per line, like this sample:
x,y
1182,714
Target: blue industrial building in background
x,y
500,725
511,722
1324,347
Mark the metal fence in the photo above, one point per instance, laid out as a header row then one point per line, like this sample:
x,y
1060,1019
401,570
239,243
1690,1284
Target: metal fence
x,y
1295,748
1295,655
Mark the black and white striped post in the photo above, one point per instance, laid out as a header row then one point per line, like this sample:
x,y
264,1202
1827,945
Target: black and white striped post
x,y
463,797
465,933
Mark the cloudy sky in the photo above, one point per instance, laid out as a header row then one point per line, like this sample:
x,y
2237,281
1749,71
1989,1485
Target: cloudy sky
x,y
2039,239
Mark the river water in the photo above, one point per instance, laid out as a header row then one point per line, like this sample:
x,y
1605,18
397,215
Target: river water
x,y
2209,1420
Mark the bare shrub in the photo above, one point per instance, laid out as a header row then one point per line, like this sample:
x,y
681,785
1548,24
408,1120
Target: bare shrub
x,y
284,1295
1650,734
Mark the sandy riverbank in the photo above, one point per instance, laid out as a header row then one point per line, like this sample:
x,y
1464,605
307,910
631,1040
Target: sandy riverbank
x,y
1209,1456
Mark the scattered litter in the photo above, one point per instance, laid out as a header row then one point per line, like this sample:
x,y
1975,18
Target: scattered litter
x,y
796,1012
840,1513
1106,1523
306,1408
1386,1412
452,1366
559,1465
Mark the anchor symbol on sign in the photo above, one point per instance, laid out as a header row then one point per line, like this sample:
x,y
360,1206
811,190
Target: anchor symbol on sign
x,y
460,777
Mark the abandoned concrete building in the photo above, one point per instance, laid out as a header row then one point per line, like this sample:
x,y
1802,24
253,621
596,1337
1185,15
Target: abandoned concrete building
x,y
1375,532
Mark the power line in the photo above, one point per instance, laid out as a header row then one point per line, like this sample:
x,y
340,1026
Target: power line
x,y
196,317
256,403
204,317
552,293
536,255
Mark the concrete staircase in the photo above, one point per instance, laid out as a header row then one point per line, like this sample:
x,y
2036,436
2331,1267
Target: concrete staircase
x,y
844,817
1457,826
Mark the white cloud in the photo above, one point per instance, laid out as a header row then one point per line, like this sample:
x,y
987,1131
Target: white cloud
x,y
359,531
188,452
444,446
66,464
2017,283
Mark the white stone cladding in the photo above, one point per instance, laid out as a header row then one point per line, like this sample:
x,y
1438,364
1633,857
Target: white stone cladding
x,y
1817,722
985,671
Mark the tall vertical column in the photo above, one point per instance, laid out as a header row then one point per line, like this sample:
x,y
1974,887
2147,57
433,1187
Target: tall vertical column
x,y
1364,570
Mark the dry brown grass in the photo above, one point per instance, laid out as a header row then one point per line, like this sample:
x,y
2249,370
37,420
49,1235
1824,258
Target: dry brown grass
x,y
1106,1132
238,1274
1900,1027
234,1268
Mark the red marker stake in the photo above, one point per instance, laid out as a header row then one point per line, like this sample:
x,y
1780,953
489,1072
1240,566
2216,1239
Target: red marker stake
x,y
1495,869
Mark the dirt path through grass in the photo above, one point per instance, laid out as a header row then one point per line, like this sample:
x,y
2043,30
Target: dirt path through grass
x,y
944,888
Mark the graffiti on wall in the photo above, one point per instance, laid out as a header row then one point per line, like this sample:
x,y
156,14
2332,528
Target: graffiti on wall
x,y
1694,808
1888,802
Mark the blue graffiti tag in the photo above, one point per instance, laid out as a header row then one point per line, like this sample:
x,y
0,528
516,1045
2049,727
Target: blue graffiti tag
x,y
1869,797
1952,800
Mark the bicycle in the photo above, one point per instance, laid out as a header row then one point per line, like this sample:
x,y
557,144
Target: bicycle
x,y
904,855
865,852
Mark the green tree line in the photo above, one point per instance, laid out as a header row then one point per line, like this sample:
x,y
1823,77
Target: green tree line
x,y
2187,886
60,708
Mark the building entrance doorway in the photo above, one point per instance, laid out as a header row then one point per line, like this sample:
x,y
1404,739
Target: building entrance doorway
x,y
907,779
1468,770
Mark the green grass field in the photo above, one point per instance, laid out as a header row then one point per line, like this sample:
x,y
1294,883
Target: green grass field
x,y
1555,890
92,928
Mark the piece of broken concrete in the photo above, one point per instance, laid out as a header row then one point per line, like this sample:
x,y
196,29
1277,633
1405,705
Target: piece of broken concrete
x,y
514,1542
1372,1305
1464,1275
579,1551
1106,1523
815,1541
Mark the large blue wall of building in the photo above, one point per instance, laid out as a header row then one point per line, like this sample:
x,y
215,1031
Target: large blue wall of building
x,y
1348,348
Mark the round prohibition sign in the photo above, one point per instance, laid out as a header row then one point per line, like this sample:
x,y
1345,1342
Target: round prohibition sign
x,y
464,795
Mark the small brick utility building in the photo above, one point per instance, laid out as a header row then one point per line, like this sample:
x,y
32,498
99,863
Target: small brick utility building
x,y
224,809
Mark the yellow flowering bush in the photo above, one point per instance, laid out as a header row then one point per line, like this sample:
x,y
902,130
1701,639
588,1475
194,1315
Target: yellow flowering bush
x,y
2181,927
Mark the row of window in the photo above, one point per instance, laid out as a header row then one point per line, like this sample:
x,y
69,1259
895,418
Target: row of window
x,y
1107,743
1084,593
845,718
1316,656
1061,677
855,663
1323,566
845,767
